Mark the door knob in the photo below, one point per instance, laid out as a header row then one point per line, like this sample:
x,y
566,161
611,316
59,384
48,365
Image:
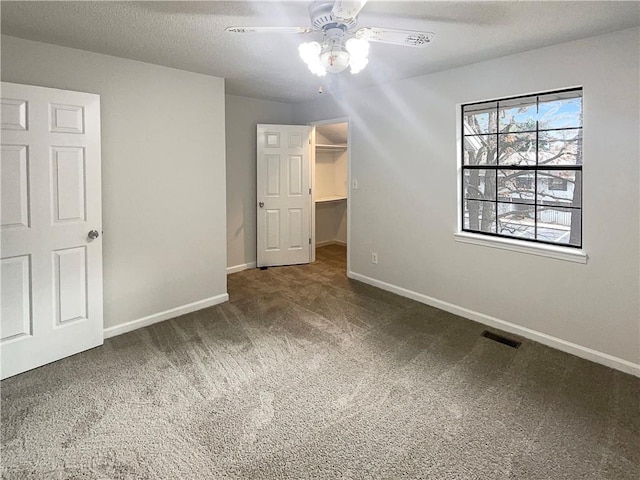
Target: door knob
x,y
93,234
261,204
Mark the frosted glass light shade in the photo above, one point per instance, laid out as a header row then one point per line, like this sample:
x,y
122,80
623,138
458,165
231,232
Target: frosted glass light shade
x,y
358,64
310,54
309,50
334,61
358,47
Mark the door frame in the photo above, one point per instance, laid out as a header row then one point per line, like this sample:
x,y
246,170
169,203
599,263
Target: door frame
x,y
329,121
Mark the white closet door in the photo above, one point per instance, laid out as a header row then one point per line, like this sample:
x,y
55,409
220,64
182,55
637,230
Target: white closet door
x,y
51,265
283,195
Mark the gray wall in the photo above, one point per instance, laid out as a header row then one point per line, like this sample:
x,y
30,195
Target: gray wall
x,y
163,173
404,157
243,114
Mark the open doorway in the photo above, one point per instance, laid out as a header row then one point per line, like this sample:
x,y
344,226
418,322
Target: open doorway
x,y
330,177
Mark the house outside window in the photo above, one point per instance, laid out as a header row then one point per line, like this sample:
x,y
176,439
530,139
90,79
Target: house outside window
x,y
522,168
557,184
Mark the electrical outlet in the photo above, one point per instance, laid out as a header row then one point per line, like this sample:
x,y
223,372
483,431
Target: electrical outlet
x,y
374,258
354,184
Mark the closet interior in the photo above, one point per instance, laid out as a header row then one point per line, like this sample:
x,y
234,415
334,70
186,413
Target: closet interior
x,y
331,166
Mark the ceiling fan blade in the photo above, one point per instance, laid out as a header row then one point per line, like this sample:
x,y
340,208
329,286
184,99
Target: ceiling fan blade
x,y
269,29
409,38
347,10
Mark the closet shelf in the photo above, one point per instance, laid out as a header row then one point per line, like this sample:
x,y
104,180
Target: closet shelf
x,y
332,198
333,148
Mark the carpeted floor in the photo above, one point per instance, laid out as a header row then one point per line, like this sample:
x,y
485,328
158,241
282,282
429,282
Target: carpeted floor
x,y
306,374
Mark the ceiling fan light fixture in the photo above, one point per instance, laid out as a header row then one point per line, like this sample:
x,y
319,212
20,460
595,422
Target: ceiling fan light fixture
x,y
358,49
309,50
358,64
310,54
334,60
334,56
317,69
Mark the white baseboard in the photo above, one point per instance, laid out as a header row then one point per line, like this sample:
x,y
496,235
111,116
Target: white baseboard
x,y
162,316
239,268
554,342
331,242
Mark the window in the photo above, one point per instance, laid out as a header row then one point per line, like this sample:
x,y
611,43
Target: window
x,y
522,168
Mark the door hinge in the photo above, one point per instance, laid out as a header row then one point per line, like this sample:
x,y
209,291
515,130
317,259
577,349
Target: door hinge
x,y
309,241
309,191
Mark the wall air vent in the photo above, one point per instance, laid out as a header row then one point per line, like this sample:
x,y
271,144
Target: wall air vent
x,y
500,339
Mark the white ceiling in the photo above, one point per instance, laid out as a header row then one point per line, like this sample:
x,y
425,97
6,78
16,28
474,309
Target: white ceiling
x,y
191,36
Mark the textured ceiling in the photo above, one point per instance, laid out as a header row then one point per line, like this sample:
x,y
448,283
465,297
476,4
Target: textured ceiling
x,y
191,36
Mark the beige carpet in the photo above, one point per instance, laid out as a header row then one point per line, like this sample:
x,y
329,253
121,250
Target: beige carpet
x,y
306,374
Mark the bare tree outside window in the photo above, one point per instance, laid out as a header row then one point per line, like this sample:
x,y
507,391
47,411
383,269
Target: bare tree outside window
x,y
522,168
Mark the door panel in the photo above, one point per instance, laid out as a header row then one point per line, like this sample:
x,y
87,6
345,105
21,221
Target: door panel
x,y
273,230
295,227
284,197
295,176
67,118
16,297
70,292
15,186
68,180
14,114
273,176
51,198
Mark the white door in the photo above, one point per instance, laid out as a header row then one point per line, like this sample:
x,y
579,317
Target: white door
x,y
284,195
51,268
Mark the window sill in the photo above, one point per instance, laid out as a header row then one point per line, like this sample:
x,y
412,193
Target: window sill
x,y
551,251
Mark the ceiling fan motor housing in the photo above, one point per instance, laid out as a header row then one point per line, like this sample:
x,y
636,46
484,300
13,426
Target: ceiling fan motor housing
x,y
323,19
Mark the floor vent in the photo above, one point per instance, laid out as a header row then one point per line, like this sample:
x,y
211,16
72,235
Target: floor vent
x,y
500,339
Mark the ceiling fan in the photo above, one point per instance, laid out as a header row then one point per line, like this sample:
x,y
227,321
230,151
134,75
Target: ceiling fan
x,y
342,46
